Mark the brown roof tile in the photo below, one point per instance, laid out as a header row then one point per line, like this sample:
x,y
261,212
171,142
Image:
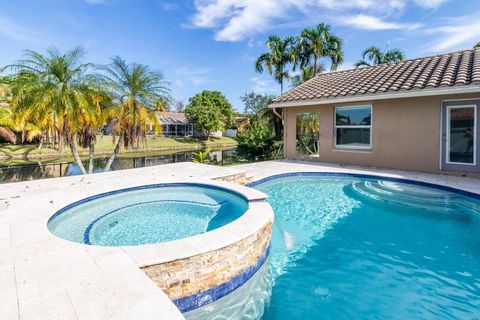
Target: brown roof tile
x,y
459,68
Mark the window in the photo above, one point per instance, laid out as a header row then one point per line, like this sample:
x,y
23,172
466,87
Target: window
x,y
353,127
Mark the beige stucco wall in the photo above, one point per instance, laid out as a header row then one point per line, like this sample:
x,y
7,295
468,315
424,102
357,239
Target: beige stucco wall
x,y
405,133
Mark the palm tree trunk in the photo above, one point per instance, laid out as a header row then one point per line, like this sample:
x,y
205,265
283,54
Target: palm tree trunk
x,y
72,142
314,66
91,153
115,153
61,142
281,86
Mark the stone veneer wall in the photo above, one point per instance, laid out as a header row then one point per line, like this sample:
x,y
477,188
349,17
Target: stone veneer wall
x,y
185,277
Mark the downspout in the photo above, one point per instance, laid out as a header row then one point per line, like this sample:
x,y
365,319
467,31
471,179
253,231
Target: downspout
x,y
275,112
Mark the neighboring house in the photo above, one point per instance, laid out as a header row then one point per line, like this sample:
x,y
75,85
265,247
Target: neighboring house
x,y
174,124
240,125
419,114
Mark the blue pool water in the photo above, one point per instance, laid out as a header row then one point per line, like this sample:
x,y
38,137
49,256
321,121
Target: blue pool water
x,y
355,248
149,214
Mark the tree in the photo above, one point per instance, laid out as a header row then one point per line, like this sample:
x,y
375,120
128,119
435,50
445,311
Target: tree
x,y
257,105
163,104
254,102
179,106
6,115
477,45
6,124
53,88
319,42
281,53
210,111
136,91
201,156
376,56
306,74
258,140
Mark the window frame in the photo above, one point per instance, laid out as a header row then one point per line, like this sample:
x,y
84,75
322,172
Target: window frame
x,y
335,126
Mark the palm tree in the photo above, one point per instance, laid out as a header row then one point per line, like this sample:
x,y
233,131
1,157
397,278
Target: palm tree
x,y
136,91
6,115
377,56
306,73
319,42
91,123
281,53
6,124
54,88
477,45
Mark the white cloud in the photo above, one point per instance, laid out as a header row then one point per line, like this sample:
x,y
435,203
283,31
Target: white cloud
x,y
361,21
169,6
433,4
235,20
386,6
265,86
16,32
196,76
456,35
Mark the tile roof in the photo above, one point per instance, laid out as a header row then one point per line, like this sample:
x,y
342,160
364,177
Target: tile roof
x,y
171,117
459,68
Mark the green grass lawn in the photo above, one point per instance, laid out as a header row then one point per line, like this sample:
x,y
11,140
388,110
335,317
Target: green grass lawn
x,y
26,153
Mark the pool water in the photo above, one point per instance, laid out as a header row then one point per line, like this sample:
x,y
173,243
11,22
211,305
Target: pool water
x,y
149,214
355,248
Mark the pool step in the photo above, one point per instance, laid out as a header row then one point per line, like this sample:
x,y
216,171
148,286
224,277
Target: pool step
x,y
413,196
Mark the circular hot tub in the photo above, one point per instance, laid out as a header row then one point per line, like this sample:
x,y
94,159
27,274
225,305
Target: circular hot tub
x,y
148,214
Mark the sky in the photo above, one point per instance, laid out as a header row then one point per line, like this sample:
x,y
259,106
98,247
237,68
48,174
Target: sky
x,y
213,44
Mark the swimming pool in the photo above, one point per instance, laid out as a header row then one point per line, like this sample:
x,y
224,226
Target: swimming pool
x,y
355,247
147,214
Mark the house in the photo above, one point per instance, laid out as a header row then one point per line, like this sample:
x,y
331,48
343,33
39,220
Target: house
x,y
419,114
174,124
241,123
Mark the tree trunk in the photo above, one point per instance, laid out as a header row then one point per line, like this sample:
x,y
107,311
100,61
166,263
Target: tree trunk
x,y
91,157
281,86
314,66
115,153
61,142
72,142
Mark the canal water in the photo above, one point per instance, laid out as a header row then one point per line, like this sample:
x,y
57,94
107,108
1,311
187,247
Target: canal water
x,y
60,169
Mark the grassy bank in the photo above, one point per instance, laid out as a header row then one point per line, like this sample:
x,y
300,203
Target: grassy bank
x,y
28,153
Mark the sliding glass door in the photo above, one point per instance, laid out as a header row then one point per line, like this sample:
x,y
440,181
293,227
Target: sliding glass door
x,y
460,137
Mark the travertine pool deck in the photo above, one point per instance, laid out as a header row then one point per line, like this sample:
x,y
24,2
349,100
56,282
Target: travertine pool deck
x,y
44,277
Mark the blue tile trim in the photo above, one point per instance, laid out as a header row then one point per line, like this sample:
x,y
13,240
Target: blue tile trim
x,y
149,186
213,294
86,234
366,176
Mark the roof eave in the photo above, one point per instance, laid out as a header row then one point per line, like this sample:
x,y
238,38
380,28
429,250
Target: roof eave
x,y
472,88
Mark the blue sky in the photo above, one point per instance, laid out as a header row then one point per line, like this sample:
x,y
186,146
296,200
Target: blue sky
x,y
212,44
